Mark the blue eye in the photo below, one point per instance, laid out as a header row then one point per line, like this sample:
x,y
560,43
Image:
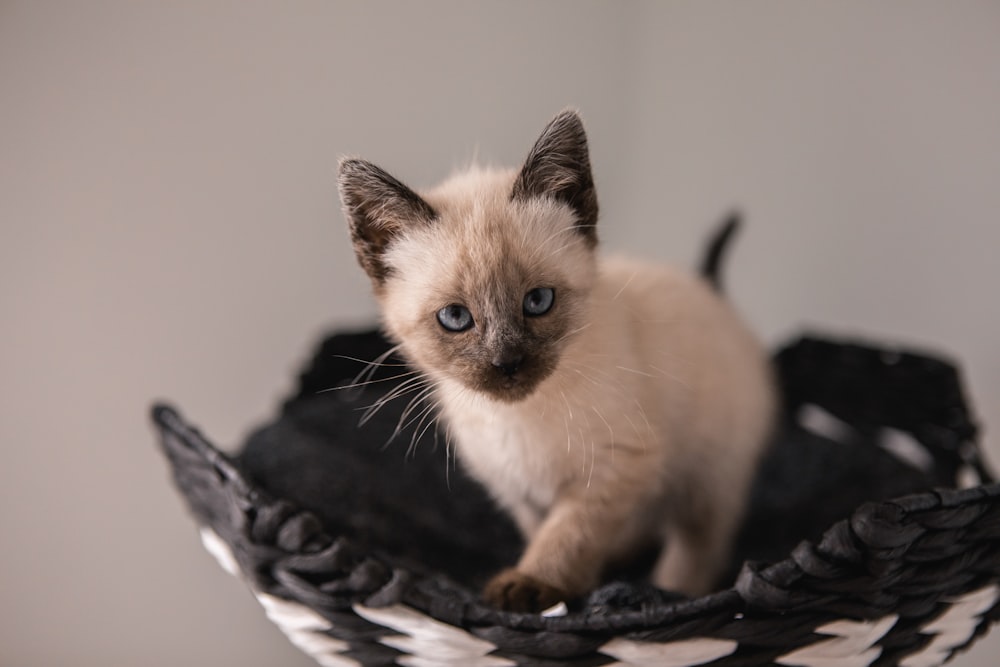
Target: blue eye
x,y
539,301
455,317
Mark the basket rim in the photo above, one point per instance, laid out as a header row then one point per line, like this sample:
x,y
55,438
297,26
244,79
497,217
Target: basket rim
x,y
753,591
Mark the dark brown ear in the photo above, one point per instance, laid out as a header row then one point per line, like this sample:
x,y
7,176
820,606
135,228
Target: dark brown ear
x,y
559,167
378,207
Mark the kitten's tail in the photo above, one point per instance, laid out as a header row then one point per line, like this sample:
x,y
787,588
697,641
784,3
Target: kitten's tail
x,y
711,263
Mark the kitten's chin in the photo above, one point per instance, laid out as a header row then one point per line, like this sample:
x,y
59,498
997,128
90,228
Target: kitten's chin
x,y
513,394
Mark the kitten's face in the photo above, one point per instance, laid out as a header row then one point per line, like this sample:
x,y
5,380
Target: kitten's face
x,y
485,279
491,293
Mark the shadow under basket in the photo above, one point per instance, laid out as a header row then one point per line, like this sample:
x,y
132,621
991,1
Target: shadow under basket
x,y
872,536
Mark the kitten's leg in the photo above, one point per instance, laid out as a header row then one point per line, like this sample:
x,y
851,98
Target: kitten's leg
x,y
565,558
697,548
526,517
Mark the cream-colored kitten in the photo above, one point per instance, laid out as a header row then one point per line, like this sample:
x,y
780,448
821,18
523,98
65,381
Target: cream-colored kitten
x,y
606,404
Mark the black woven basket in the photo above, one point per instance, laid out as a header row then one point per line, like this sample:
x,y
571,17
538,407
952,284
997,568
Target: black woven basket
x,y
368,546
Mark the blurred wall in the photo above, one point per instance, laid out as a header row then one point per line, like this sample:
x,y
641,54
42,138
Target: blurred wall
x,y
169,228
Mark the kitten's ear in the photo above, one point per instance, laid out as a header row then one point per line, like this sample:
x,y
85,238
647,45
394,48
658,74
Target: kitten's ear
x,y
559,167
378,207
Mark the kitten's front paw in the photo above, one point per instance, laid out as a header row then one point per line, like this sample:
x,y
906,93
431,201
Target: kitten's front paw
x,y
515,591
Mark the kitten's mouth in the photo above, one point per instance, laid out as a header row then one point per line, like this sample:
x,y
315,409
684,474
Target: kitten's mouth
x,y
511,391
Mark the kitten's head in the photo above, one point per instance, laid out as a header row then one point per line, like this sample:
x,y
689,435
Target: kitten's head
x,y
485,279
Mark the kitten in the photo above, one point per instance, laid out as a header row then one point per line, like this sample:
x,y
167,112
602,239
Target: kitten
x,y
605,403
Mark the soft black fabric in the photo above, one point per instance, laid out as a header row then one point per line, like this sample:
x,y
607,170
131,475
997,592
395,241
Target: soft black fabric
x,y
415,507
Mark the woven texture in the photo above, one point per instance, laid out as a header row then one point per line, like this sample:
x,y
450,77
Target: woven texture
x,y
365,553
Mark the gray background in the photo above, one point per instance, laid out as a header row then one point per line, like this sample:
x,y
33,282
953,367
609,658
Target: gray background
x,y
169,228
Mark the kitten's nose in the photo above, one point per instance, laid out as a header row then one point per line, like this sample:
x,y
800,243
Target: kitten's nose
x,y
508,364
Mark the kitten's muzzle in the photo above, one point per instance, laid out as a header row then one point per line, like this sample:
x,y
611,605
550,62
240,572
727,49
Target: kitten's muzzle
x,y
512,377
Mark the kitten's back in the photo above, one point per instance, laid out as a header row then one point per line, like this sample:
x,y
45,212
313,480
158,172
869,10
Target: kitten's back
x,y
712,375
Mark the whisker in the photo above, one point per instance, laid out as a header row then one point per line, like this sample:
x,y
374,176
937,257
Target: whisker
x,y
431,410
585,376
573,332
627,283
593,460
608,377
593,448
568,438
448,445
609,383
636,429
411,407
369,369
371,363
355,385
642,413
632,370
670,376
611,431
402,388
555,234
560,249
659,370
569,410
420,416
406,387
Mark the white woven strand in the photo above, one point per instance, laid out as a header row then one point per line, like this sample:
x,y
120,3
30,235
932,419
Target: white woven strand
x,y
291,615
303,627
953,628
484,661
220,550
852,644
430,641
684,653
